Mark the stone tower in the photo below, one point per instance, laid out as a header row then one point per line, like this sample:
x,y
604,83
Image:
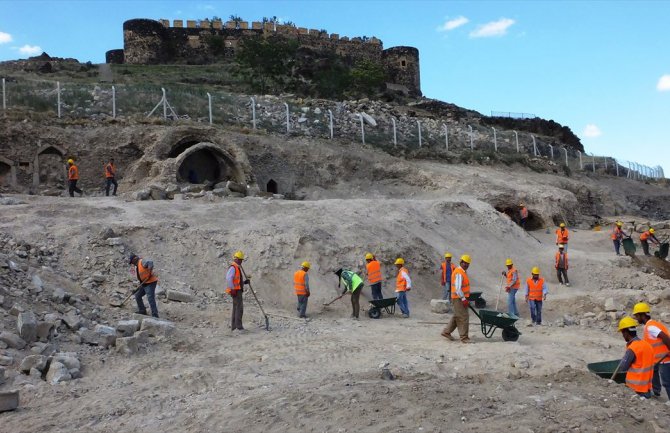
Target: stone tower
x,y
402,67
144,42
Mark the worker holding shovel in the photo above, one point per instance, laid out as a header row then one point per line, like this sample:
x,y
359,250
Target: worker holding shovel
x,y
352,283
234,287
148,281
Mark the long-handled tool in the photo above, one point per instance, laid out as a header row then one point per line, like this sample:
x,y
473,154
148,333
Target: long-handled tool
x,y
267,320
336,299
499,291
122,303
616,370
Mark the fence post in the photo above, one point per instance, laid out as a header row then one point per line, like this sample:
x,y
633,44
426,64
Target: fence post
x,y
58,92
516,136
4,97
330,125
581,166
113,102
253,111
288,119
395,135
418,125
616,166
593,161
446,137
209,104
472,146
164,104
566,156
534,146
495,139
605,164
360,116
551,151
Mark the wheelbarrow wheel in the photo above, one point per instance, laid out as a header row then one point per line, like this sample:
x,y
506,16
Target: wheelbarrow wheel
x,y
510,334
374,313
480,303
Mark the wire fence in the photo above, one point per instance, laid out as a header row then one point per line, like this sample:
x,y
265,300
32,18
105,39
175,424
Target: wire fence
x,y
366,123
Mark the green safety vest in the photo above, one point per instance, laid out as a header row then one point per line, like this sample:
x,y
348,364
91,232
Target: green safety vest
x,y
350,280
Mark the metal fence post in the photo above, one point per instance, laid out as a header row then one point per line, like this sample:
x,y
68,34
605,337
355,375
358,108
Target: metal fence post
x,y
288,119
330,125
209,103
164,104
395,135
418,125
551,151
581,166
616,166
360,116
253,112
113,102
534,146
446,137
516,136
472,146
566,156
593,161
495,139
4,97
58,92
606,164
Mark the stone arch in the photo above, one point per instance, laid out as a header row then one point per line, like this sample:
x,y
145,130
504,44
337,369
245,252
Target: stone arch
x,y
49,167
272,187
184,143
206,162
7,172
534,221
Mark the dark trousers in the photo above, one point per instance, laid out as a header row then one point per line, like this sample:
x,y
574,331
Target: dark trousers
x,y
645,247
355,301
72,188
111,181
302,305
150,291
377,290
661,374
562,274
522,223
238,310
535,311
617,245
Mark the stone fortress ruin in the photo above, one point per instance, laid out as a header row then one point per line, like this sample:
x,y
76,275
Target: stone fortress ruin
x,y
149,41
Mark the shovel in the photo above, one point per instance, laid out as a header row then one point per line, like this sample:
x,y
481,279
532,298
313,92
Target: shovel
x,y
267,320
336,299
499,291
118,304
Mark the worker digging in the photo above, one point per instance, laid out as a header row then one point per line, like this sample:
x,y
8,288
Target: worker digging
x,y
617,236
352,284
646,237
144,270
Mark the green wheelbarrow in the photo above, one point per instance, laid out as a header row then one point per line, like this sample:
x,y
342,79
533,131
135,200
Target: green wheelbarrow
x,y
628,246
605,369
492,320
662,252
476,298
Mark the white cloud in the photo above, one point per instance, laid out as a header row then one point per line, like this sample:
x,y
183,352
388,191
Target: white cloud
x,y
663,83
5,37
453,24
30,50
592,131
494,28
206,7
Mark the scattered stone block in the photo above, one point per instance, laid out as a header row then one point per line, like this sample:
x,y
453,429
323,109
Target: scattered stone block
x,y
112,242
654,299
98,277
609,305
127,327
440,306
38,362
44,331
126,345
58,373
142,337
106,335
6,360
12,340
9,400
68,359
72,320
26,325
59,296
157,327
369,119
174,295
16,310
88,336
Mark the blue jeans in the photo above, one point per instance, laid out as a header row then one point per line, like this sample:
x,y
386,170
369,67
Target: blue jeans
x,y
661,374
446,293
376,289
302,306
402,302
150,291
511,302
535,311
617,245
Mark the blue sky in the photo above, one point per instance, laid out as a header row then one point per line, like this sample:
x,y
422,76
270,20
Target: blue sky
x,y
600,67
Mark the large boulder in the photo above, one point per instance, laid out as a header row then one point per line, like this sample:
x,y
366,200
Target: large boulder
x,y
44,331
12,340
157,327
72,320
126,345
26,325
174,295
69,359
127,327
440,306
57,373
9,400
33,361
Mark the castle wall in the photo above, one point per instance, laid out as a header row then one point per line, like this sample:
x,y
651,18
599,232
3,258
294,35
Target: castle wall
x,y
402,67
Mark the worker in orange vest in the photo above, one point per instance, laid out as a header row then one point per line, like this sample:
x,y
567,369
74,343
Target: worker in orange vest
x,y
447,271
561,265
523,215
72,178
373,272
645,238
638,361
110,176
617,236
511,287
403,284
148,281
562,236
301,286
536,293
460,294
656,334
235,288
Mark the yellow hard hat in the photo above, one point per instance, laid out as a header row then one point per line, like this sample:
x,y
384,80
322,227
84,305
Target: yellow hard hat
x,y
651,231
466,258
447,255
305,265
399,261
641,307
239,255
626,323
535,271
561,246
562,225
70,161
369,256
508,262
619,223
521,205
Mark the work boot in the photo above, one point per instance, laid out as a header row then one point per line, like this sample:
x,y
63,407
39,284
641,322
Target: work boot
x,y
466,340
448,336
142,312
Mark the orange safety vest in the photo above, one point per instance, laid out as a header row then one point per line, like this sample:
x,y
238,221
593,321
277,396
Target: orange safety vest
x,y
237,280
617,233
535,289
661,351
110,170
510,273
400,283
638,377
565,260
299,282
644,236
374,269
145,273
524,213
444,271
73,173
562,236
465,284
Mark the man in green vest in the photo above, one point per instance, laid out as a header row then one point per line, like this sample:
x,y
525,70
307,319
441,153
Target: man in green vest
x,y
352,283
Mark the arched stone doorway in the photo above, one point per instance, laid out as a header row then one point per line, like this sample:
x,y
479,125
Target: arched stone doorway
x,y
206,163
7,173
49,166
272,187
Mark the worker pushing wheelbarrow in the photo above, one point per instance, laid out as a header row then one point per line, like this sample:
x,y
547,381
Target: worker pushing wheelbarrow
x,y
492,320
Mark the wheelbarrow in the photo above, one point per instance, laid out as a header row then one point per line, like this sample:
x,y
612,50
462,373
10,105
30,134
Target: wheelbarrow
x,y
476,298
628,246
605,369
662,252
492,320
387,304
